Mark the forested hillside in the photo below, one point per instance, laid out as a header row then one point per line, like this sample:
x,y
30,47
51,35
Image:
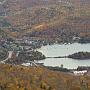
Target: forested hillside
x,y
58,19
39,78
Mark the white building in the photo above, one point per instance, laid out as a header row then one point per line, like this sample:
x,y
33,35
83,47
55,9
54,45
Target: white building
x,y
79,73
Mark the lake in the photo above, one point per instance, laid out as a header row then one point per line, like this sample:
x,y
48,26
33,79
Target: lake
x,y
64,50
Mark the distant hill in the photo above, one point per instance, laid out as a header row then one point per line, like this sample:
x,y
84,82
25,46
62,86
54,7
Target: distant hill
x,y
46,18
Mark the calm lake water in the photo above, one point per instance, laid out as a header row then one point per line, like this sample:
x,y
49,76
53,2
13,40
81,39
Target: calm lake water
x,y
64,50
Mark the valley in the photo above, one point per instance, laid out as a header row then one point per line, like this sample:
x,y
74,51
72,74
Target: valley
x,y
44,44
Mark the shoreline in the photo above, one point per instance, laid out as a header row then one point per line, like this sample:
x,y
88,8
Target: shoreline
x,y
76,56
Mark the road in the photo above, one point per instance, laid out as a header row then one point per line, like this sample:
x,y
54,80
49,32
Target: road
x,y
9,56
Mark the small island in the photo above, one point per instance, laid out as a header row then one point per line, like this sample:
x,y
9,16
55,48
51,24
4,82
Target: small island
x,y
80,55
